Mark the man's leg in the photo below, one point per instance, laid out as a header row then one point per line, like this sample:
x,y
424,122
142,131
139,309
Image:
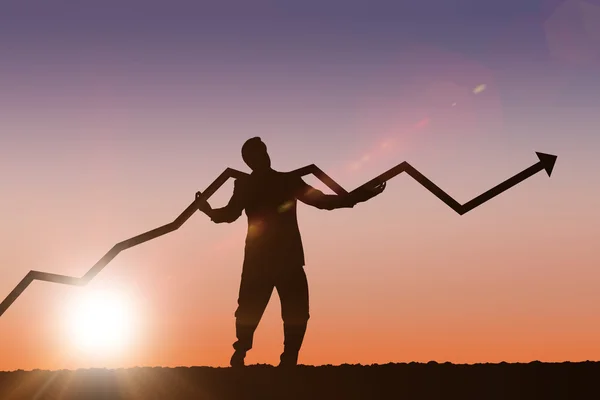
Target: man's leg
x,y
254,295
292,287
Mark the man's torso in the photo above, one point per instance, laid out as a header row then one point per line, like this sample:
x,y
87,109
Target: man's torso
x,y
273,235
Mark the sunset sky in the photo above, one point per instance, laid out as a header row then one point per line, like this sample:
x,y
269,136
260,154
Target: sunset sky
x,y
113,115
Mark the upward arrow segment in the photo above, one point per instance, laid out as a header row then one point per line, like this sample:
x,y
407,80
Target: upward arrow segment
x,y
546,162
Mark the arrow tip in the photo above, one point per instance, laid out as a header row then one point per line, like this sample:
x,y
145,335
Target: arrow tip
x,y
547,161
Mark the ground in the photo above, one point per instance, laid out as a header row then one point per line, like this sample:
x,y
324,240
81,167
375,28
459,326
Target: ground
x,y
534,380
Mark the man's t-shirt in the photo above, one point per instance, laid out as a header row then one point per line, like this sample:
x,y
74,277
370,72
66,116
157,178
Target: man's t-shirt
x,y
270,202
269,199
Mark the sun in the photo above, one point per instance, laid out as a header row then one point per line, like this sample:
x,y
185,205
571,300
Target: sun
x,y
100,322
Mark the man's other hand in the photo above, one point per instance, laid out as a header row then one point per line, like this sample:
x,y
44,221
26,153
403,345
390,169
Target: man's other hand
x,y
365,194
202,203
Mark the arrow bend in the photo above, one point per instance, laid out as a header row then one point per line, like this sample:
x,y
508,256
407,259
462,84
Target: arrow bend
x,y
546,162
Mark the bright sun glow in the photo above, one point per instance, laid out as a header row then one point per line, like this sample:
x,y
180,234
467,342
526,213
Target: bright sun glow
x,y
100,321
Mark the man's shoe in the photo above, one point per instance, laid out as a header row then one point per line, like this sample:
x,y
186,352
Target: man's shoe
x,y
288,360
237,359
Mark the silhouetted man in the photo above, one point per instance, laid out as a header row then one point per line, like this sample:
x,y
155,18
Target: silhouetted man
x,y
274,256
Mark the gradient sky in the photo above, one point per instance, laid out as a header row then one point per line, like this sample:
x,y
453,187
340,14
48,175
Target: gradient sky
x,y
113,114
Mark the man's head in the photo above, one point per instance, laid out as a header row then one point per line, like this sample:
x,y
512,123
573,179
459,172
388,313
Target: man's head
x,y
254,153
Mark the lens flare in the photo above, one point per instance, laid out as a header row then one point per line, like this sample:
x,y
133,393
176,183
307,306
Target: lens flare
x,y
479,88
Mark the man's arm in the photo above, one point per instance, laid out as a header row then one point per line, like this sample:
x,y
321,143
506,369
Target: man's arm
x,y
314,197
230,212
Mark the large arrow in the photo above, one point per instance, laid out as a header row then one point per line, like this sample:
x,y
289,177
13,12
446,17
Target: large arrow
x,y
546,162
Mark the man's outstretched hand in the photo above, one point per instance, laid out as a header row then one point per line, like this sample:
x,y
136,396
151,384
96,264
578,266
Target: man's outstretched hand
x,y
202,203
364,194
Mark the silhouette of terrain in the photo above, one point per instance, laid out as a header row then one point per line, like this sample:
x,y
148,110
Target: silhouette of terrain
x,y
533,380
546,163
